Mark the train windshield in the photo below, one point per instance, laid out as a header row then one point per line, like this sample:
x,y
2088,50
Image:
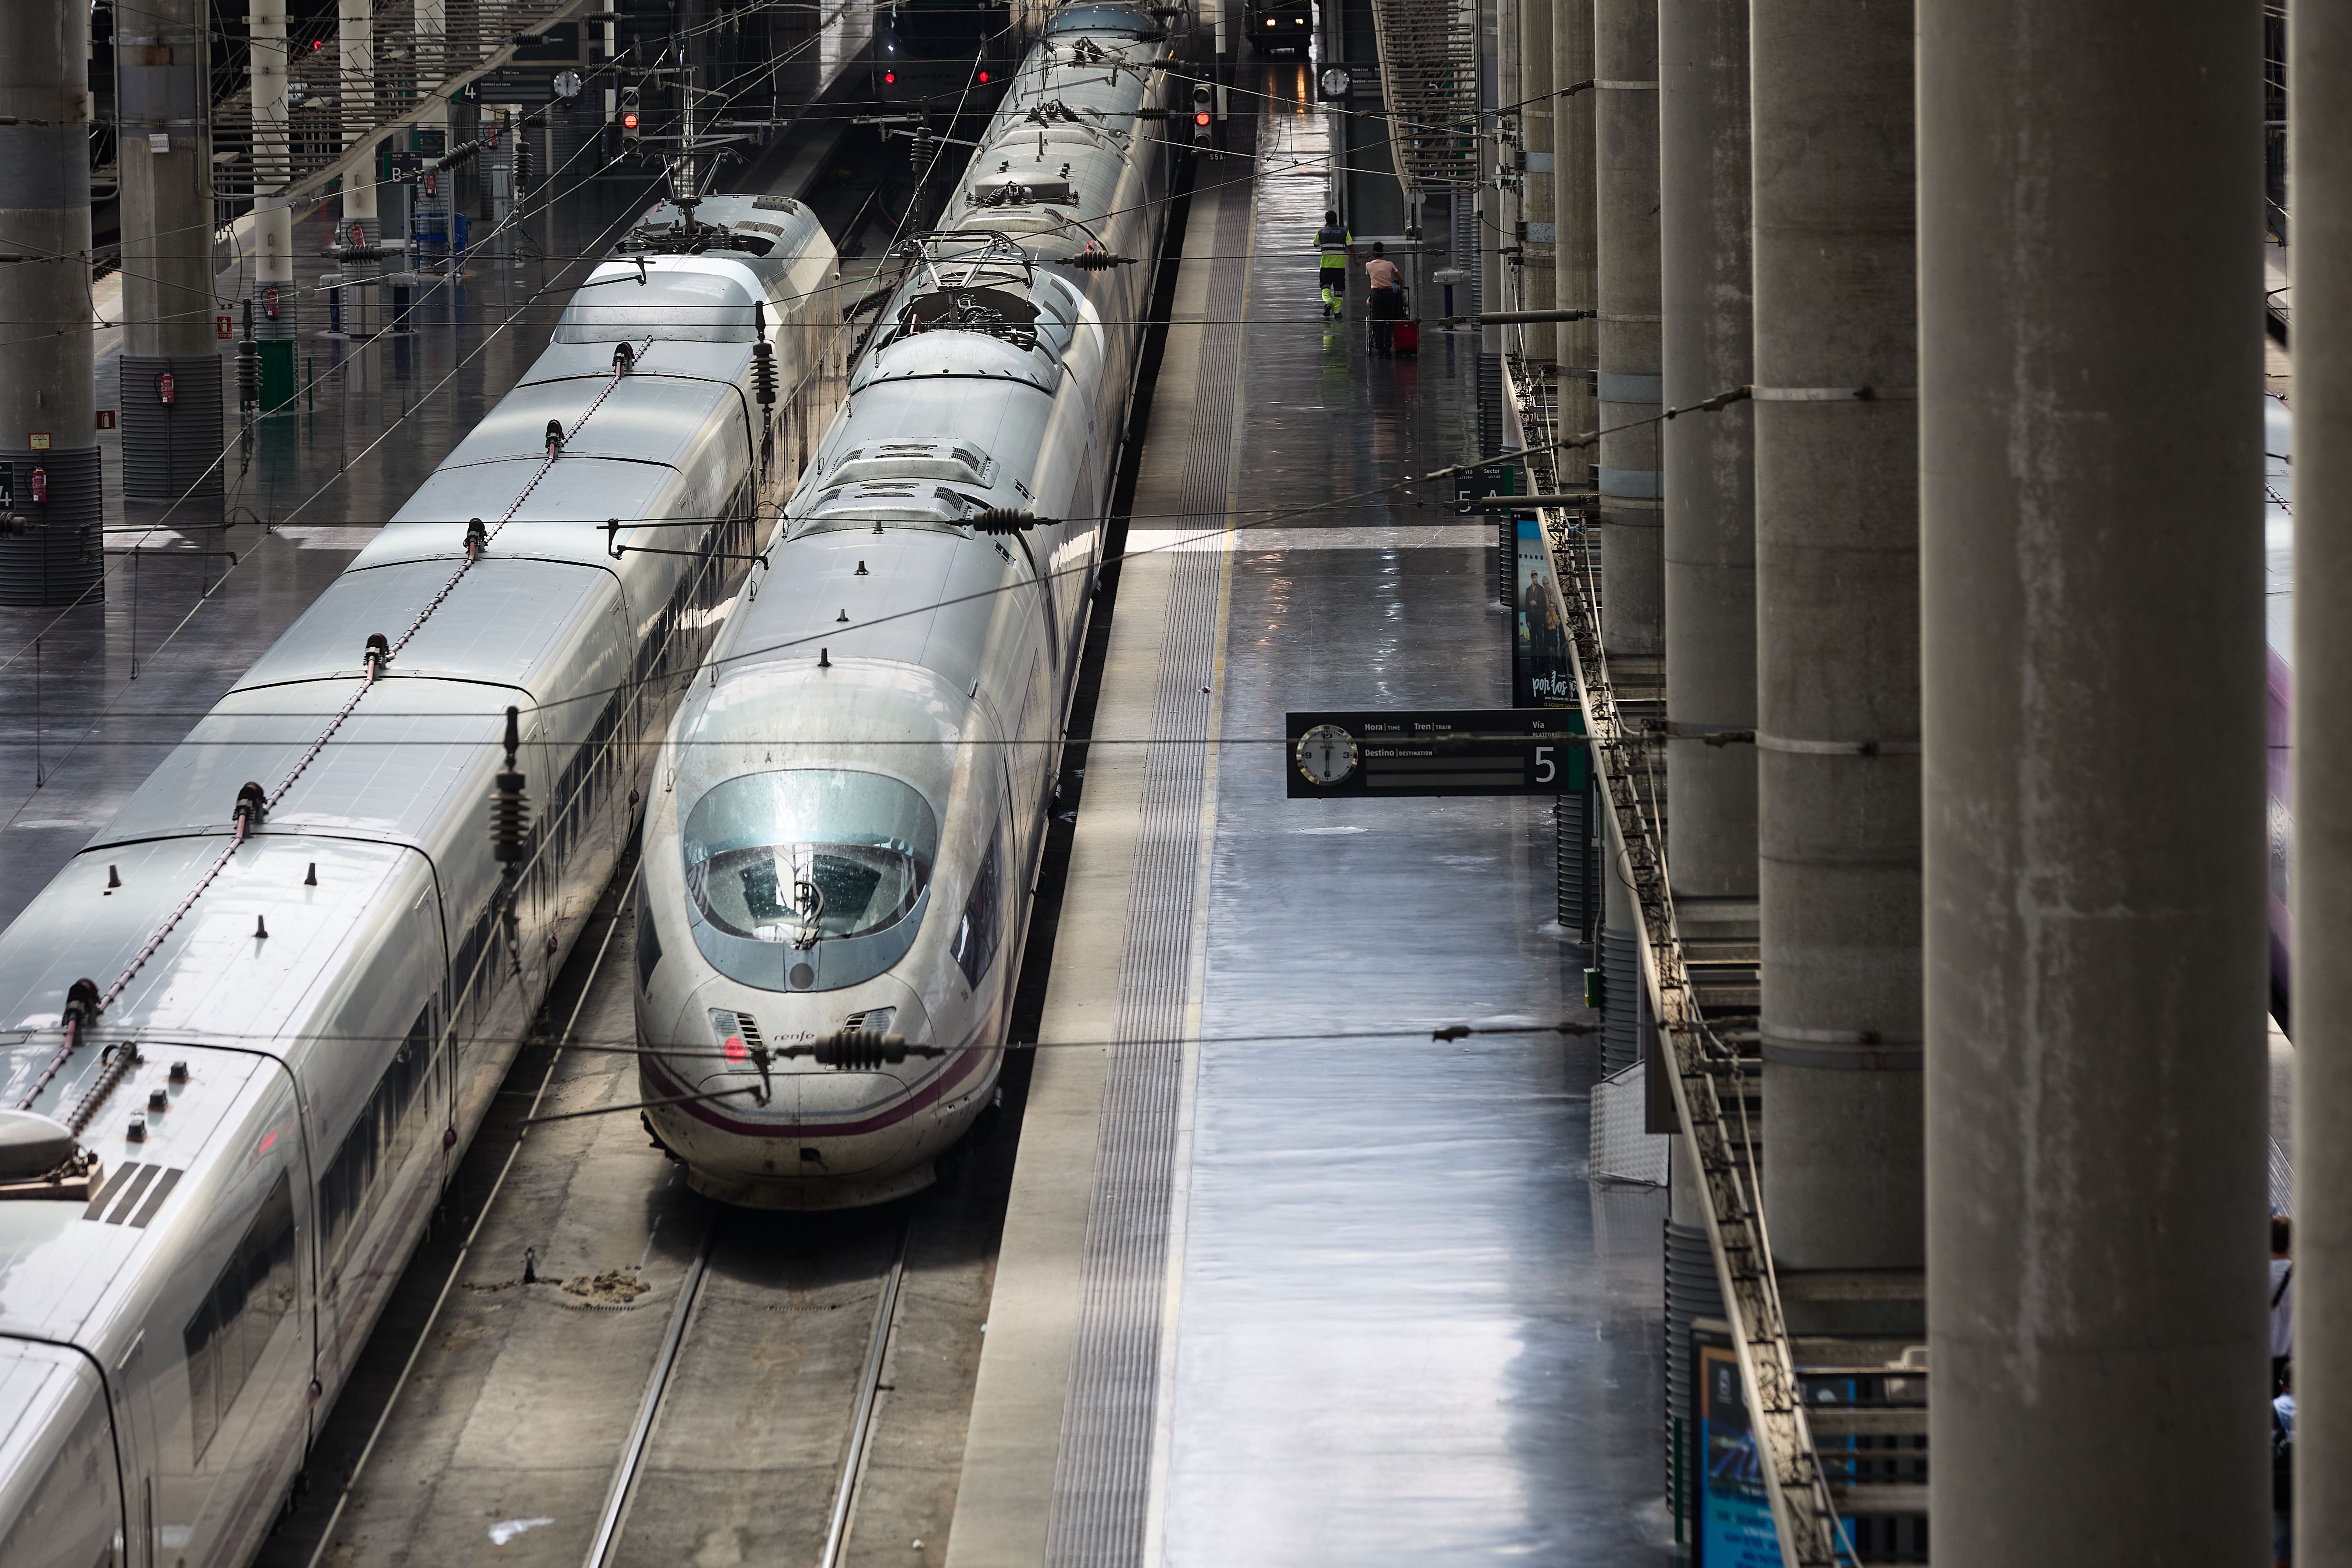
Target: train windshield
x,y
808,853
689,307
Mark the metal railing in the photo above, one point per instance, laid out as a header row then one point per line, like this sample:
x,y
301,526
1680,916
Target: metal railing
x,y
1429,86
1710,1072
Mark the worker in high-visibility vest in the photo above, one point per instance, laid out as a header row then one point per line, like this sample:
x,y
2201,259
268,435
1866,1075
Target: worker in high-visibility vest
x,y
1338,248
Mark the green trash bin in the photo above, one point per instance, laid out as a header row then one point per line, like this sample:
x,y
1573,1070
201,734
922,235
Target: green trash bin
x,y
278,383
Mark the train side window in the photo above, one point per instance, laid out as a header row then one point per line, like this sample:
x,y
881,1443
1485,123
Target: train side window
x,y
231,1329
975,939
380,1129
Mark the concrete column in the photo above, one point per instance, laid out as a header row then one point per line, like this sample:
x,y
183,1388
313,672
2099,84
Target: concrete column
x,y
169,450
1536,194
2091,487
1633,566
355,27
2319,163
1837,584
1573,283
47,422
1710,510
274,292
1509,208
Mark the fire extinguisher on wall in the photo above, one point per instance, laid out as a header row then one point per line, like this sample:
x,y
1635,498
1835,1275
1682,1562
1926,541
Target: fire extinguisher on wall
x,y
40,487
167,389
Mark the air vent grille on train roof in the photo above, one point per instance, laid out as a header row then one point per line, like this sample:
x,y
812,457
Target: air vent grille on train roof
x,y
1021,190
911,461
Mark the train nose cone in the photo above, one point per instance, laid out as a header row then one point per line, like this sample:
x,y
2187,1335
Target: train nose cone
x,y
839,1104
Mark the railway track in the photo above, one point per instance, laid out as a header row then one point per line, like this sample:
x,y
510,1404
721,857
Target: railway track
x,y
694,1426
735,1395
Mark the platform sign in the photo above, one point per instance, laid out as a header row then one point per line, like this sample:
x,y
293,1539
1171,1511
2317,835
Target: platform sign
x,y
1436,751
1732,1515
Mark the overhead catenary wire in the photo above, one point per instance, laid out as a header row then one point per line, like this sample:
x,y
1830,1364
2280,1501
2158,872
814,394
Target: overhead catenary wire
x,y
513,218
755,652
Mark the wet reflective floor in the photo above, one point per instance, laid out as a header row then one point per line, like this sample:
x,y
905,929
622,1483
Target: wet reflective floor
x,y
1409,1330
92,695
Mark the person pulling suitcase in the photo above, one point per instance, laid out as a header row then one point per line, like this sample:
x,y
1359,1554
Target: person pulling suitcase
x,y
1386,297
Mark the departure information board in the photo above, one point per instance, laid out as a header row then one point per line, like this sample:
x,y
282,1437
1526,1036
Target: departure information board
x,y
1436,752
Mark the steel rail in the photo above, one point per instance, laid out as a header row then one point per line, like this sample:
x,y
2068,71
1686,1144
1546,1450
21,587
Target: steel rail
x,y
861,1426
624,1479
457,1264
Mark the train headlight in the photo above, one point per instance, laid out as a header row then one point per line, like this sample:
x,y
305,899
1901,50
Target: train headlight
x,y
735,1033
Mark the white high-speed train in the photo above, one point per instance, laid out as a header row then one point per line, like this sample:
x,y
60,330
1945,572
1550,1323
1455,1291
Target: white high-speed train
x,y
247,1032
850,804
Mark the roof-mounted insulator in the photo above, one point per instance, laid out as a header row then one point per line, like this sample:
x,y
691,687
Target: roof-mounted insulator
x,y
1004,519
856,1049
510,807
248,363
378,654
920,147
1093,260
252,806
555,439
81,1001
624,359
763,373
477,539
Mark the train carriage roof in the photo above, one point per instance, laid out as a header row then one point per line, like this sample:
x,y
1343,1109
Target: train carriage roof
x,y
562,518
389,773
211,978
644,419
504,623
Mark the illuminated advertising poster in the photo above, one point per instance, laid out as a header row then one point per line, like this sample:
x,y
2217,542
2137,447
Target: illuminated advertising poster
x,y
1540,677
1734,1516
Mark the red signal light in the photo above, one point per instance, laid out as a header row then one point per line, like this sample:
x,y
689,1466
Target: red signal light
x,y
984,79
735,1048
629,120
1200,118
889,79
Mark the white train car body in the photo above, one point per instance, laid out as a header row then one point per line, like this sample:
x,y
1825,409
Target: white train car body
x,y
303,1015
851,803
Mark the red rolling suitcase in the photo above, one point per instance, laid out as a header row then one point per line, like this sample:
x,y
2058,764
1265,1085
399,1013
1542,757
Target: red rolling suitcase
x,y
1406,336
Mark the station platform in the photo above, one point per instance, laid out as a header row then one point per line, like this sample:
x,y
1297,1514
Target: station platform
x,y
1282,1280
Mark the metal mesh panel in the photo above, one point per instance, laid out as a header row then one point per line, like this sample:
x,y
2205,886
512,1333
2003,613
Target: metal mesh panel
x,y
1622,1151
1621,1009
1692,1292
172,451
57,561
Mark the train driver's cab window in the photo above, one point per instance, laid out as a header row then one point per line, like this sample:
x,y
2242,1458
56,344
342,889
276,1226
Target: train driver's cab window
x,y
805,855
